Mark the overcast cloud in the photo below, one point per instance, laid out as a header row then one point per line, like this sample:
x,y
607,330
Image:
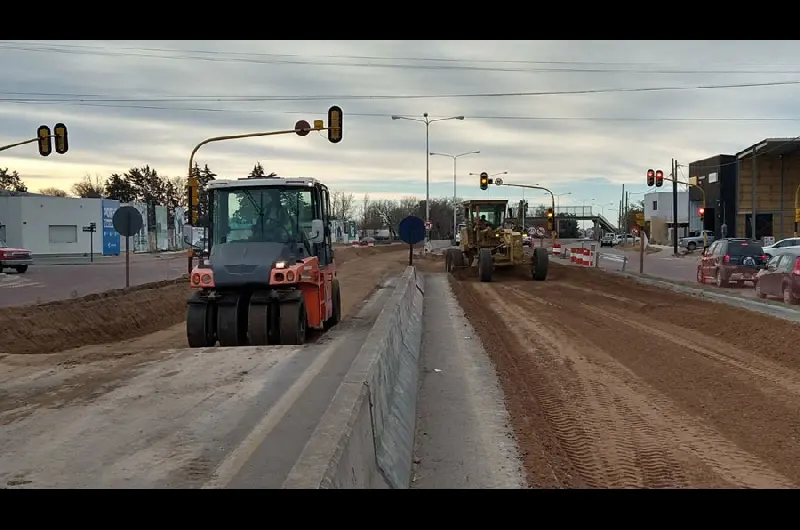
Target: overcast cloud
x,y
131,103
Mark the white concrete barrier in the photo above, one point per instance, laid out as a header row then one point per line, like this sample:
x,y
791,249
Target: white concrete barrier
x,y
366,437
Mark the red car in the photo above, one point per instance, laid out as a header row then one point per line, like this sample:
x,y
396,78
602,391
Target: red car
x,y
781,278
14,258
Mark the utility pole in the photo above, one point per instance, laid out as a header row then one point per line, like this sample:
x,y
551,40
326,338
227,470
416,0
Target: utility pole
x,y
625,219
675,206
622,207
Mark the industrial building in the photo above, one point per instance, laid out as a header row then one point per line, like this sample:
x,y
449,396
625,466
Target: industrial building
x,y
658,211
55,226
716,177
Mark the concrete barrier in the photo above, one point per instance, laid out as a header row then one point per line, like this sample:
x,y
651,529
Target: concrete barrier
x,y
366,437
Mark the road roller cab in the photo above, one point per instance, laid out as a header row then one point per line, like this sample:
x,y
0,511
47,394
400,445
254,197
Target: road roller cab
x,y
270,274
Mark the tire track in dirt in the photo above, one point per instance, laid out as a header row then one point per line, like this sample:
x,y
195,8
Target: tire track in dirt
x,y
649,362
641,434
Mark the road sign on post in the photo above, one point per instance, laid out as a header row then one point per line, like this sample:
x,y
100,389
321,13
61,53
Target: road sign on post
x,y
127,221
91,229
411,231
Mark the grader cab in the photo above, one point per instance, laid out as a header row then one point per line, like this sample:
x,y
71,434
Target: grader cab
x,y
490,240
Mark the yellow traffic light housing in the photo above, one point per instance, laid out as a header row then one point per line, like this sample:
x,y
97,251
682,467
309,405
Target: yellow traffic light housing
x,y
335,124
193,187
62,142
484,181
550,219
45,143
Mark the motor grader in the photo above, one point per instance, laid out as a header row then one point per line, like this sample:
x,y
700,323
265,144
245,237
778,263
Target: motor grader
x,y
491,242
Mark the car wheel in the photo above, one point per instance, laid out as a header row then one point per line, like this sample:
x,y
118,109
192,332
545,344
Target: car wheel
x,y
789,297
692,246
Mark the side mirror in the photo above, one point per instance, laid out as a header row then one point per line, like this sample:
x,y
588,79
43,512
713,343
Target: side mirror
x,y
317,231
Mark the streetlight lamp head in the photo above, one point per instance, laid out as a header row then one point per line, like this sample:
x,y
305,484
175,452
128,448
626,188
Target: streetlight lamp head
x,y
424,114
459,117
395,117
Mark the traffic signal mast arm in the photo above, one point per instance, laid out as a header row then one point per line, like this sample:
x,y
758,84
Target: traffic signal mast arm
x,y
9,146
527,186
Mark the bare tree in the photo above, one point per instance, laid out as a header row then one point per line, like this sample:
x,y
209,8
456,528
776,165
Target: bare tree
x,y
53,192
89,188
342,205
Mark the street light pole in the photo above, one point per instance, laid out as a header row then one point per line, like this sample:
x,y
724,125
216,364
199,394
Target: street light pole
x,y
455,160
427,121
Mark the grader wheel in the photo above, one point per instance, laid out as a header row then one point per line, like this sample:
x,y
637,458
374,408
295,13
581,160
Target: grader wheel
x,y
485,265
539,264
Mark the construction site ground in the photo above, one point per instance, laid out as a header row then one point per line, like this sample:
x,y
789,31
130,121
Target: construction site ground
x,y
612,384
59,354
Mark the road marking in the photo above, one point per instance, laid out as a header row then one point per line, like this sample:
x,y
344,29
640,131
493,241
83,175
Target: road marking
x,y
13,282
237,458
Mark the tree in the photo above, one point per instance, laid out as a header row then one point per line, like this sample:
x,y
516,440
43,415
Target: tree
x,y
53,192
119,188
89,188
342,205
11,182
633,209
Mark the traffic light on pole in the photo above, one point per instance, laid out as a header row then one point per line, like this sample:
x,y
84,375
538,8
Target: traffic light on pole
x,y
550,219
62,143
484,181
45,142
702,213
659,178
651,177
334,124
193,189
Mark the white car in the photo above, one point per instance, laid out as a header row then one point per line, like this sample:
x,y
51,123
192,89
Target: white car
x,y
780,247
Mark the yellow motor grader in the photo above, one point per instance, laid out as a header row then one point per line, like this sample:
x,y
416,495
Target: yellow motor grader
x,y
486,238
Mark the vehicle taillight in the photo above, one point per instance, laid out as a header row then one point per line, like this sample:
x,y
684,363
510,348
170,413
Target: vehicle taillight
x,y
196,279
796,270
2,254
726,259
764,258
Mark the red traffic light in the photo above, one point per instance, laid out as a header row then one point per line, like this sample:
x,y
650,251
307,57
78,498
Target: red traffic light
x,y
701,211
651,177
659,178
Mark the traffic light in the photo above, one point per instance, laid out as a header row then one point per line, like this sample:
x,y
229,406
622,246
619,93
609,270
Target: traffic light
x,y
193,190
62,143
484,181
659,178
334,124
550,219
45,143
702,213
651,177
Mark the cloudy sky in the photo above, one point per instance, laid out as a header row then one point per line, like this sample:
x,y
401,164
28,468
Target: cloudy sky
x,y
131,103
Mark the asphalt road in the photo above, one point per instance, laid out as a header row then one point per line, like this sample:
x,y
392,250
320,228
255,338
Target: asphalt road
x,y
202,418
59,279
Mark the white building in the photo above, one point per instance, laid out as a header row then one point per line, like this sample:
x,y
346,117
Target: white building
x,y
658,211
54,225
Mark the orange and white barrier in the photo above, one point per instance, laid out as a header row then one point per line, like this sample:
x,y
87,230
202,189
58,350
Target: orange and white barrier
x,y
573,255
587,257
356,243
556,249
370,243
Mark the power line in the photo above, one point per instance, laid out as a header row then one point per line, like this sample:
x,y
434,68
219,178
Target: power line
x,y
388,115
375,57
85,98
334,60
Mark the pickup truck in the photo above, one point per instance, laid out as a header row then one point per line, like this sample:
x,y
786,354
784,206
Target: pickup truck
x,y
608,240
14,258
691,243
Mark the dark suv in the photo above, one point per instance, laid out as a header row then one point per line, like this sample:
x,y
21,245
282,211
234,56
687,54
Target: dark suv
x,y
731,260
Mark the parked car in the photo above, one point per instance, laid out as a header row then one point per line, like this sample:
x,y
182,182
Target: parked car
x,y
18,259
608,240
782,246
731,260
781,278
691,243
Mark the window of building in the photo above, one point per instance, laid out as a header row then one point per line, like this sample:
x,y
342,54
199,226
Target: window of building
x,y
63,234
655,206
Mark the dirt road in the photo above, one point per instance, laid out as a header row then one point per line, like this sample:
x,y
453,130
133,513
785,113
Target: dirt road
x,y
611,384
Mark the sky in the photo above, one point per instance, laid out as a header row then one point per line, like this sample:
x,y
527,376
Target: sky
x,y
131,103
